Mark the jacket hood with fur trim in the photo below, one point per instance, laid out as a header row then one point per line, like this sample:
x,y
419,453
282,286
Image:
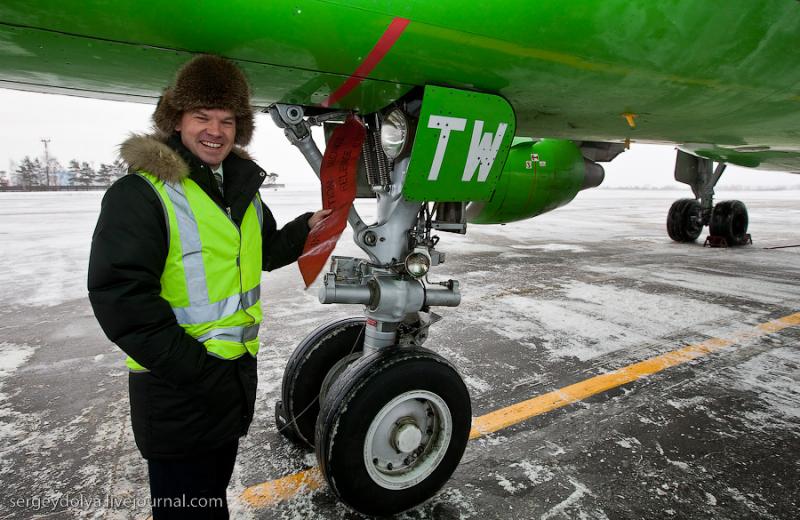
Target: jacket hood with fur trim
x,y
152,154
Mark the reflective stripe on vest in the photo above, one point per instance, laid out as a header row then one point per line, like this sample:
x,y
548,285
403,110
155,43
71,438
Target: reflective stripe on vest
x,y
201,313
193,267
231,334
213,270
259,211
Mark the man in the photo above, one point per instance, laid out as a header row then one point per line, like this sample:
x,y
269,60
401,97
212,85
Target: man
x,y
174,280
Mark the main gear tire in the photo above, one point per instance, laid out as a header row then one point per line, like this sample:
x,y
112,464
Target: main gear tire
x,y
307,370
393,430
685,220
729,220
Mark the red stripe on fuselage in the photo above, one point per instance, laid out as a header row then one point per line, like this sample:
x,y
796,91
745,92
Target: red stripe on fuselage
x,y
390,36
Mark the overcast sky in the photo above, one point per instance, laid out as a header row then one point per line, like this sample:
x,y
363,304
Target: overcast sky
x,y
91,130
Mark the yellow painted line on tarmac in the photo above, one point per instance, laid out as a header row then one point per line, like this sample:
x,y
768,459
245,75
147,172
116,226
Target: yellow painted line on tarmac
x,y
276,491
273,492
519,412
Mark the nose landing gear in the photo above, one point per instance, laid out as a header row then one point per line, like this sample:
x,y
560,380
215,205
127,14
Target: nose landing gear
x,y
389,420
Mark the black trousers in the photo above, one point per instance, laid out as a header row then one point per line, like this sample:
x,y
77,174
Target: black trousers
x,y
192,488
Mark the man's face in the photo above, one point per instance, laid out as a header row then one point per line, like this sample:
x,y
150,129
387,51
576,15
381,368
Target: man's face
x,y
208,133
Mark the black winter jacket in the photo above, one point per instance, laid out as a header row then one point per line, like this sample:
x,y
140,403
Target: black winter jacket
x,y
189,402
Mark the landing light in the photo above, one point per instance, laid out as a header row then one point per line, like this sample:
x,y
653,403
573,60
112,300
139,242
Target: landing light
x,y
394,132
417,264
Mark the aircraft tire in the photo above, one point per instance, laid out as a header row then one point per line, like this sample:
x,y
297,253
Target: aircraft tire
x,y
730,220
393,430
307,370
684,221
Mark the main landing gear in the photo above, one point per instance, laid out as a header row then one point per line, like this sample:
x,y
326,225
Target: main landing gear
x,y
389,420
727,220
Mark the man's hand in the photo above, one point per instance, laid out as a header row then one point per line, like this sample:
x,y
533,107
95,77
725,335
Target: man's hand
x,y
318,217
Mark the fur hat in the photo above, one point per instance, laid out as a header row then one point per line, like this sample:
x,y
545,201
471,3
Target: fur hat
x,y
207,81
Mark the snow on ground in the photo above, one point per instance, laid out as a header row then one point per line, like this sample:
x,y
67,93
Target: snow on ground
x,y
552,247
599,318
779,392
597,308
706,281
44,239
11,358
535,473
567,508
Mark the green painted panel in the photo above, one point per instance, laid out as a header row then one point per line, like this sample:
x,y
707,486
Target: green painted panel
x,y
537,178
693,71
460,146
293,52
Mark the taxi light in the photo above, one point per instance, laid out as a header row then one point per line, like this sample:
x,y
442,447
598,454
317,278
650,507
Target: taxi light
x,y
417,264
394,132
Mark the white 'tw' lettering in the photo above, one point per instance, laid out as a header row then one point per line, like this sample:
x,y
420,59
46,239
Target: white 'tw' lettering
x,y
445,125
482,151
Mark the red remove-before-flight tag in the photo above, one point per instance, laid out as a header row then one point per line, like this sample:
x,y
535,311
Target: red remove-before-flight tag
x,y
338,178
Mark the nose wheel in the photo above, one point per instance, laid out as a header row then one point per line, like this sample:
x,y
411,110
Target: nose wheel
x,y
407,439
393,429
321,356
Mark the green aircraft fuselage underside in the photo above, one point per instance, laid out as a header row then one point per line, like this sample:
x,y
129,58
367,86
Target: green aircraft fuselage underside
x,y
703,72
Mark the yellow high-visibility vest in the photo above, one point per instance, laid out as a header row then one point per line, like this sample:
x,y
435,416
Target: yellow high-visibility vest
x,y
212,275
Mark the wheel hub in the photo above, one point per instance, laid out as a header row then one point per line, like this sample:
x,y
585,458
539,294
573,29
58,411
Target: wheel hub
x,y
407,439
407,436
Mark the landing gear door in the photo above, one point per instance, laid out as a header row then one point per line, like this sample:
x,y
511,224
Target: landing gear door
x,y
461,144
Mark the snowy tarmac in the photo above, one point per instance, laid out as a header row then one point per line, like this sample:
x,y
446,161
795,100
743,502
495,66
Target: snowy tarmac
x,y
555,301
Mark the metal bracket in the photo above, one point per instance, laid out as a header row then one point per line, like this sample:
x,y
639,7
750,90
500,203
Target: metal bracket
x,y
297,130
414,331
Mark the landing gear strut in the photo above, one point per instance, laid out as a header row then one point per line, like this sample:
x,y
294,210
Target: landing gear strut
x,y
727,220
389,419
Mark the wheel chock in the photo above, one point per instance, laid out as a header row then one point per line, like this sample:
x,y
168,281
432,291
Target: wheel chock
x,y
718,241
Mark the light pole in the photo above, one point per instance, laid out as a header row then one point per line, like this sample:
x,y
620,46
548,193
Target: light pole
x,y
46,161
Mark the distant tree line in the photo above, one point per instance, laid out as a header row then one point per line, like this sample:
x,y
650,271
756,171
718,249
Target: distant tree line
x,y
32,173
